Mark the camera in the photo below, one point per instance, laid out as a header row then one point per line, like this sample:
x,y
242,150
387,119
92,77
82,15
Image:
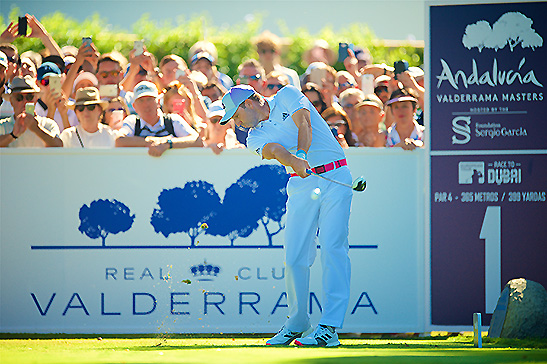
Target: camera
x,y
400,67
86,40
343,51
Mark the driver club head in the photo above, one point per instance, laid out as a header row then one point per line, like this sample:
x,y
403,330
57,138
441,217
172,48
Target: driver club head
x,y
359,184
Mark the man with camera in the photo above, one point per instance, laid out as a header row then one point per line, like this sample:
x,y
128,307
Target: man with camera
x,y
24,128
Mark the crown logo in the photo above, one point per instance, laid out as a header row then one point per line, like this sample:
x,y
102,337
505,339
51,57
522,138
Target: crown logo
x,y
205,271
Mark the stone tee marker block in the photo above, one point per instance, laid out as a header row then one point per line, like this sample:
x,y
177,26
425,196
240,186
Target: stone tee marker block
x,y
521,311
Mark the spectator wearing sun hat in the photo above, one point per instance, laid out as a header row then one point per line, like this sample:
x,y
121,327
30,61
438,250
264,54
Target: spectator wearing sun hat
x,y
23,129
405,132
90,132
152,128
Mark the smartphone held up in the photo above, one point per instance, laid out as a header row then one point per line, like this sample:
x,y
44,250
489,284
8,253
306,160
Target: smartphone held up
x,y
22,26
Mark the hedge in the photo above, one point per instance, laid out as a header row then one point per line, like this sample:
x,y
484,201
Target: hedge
x,y
234,43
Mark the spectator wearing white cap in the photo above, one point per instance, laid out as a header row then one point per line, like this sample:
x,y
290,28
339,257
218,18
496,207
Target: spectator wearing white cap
x,y
24,129
152,128
405,133
90,132
219,137
268,47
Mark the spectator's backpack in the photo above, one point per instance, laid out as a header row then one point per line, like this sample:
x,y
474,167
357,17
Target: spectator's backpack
x,y
167,130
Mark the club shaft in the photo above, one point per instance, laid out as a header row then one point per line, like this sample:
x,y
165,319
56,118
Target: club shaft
x,y
328,179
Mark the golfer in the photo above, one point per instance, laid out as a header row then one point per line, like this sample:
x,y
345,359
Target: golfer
x,y
288,128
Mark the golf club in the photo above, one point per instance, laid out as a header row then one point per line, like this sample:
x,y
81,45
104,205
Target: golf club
x,y
358,185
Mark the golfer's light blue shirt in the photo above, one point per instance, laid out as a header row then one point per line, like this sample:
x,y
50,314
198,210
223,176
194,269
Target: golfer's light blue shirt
x,y
280,128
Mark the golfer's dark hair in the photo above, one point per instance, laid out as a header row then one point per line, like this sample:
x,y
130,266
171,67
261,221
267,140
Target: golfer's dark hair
x,y
255,97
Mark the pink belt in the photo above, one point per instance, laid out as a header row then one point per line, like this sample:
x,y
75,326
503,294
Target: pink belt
x,y
326,167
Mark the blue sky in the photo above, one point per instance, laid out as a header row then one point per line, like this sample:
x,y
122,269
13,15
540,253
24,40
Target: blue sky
x,y
400,19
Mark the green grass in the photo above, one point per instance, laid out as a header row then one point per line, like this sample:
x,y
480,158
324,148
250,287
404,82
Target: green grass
x,y
59,349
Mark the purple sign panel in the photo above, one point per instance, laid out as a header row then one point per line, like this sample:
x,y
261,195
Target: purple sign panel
x,y
488,73
488,226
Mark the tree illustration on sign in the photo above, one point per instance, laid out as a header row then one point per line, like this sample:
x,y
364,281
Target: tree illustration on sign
x,y
239,213
270,194
185,209
103,217
511,28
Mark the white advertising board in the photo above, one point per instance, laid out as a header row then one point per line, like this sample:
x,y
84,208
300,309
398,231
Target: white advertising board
x,y
113,241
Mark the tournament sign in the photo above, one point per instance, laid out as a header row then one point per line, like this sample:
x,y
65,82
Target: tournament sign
x,y
488,154
487,76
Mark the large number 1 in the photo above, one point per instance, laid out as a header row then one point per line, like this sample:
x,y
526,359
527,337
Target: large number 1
x,y
491,233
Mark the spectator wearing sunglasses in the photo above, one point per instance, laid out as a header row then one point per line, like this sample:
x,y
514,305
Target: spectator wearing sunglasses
x,y
53,106
90,133
268,47
275,81
340,126
251,73
24,129
115,112
311,91
344,80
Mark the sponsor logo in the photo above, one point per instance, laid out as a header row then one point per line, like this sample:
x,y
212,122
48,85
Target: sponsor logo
x,y
511,29
205,271
460,126
470,173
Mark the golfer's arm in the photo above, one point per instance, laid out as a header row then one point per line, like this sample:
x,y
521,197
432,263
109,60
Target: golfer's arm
x,y
303,122
277,151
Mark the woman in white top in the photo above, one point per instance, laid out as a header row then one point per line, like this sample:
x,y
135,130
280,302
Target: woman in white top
x,y
90,133
405,132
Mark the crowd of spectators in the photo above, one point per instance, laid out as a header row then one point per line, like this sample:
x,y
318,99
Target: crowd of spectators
x,y
78,98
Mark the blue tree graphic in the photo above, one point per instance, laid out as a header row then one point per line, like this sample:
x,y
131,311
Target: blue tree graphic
x,y
239,214
185,209
103,217
271,192
259,196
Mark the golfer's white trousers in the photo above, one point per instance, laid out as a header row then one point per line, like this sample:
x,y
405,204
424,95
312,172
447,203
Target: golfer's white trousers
x,y
305,215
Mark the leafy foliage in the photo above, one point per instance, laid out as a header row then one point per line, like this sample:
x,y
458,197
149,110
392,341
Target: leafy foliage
x,y
234,43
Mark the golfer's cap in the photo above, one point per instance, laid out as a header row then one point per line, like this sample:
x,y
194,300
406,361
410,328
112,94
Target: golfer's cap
x,y
371,100
233,98
400,99
145,88
216,109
